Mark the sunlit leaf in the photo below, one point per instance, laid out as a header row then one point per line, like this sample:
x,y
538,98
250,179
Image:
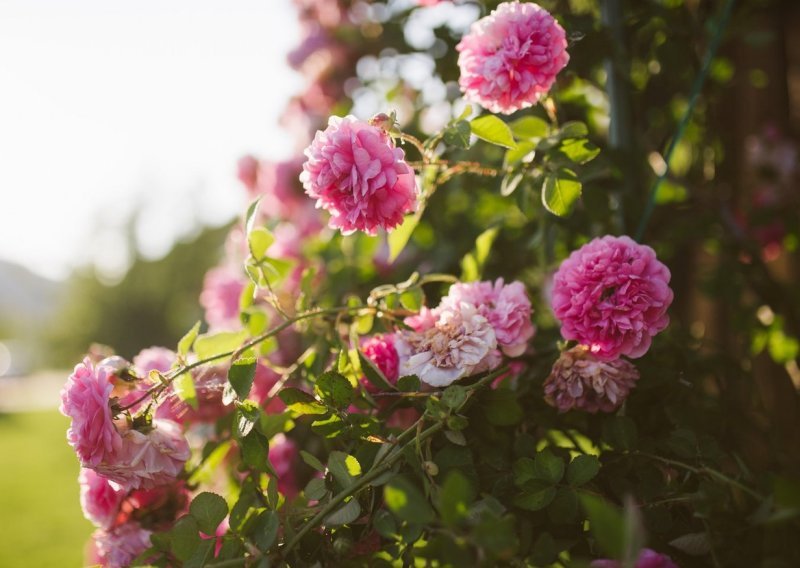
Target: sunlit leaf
x,y
493,130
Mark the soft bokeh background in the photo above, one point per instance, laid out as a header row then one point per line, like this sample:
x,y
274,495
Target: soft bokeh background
x,y
120,126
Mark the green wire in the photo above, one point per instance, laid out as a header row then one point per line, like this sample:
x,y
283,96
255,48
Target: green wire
x,y
695,94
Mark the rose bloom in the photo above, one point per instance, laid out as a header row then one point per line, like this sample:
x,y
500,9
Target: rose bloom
x,y
154,359
116,548
86,400
209,384
100,498
507,308
612,295
510,58
381,351
460,343
579,380
283,455
355,173
222,287
147,459
647,559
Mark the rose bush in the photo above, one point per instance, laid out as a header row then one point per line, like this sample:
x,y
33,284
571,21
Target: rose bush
x,y
350,400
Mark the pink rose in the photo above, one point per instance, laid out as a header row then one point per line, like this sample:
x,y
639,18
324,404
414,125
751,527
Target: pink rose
x,y
380,350
222,288
283,455
100,498
510,58
117,547
355,173
612,295
85,399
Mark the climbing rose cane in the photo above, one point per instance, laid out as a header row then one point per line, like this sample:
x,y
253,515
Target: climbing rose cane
x,y
355,173
612,295
510,58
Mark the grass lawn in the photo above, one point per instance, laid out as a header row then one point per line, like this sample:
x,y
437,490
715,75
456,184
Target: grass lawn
x,y
40,515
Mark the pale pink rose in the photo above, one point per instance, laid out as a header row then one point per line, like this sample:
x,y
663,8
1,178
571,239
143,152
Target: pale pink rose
x,y
510,58
154,359
100,498
355,173
247,171
283,456
116,548
147,459
612,295
278,186
647,559
222,288
581,381
506,306
85,399
381,351
461,343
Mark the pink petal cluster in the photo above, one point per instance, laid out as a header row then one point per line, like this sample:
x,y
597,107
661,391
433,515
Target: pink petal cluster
x,y
147,459
283,456
117,548
100,498
209,384
222,287
380,350
612,295
355,173
647,559
275,183
460,342
581,381
154,359
510,58
86,399
507,308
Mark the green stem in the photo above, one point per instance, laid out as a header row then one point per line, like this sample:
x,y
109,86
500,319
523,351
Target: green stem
x,y
719,30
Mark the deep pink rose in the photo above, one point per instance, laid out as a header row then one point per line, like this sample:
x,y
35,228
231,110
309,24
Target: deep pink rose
x,y
612,295
510,58
86,400
100,498
355,173
380,350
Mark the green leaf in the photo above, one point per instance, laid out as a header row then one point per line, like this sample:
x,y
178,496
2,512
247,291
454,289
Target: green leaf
x,y
200,556
458,134
334,389
454,396
185,537
535,496
212,345
510,183
373,374
312,460
483,244
185,344
331,426
259,240
300,402
579,150
573,129
544,550
315,489
412,299
408,383
407,502
248,415
493,130
209,510
254,450
344,468
548,467
384,523
344,515
455,497
620,432
455,437
530,127
560,192
398,238
265,530
582,469
250,216
524,471
606,524
564,508
183,385
241,375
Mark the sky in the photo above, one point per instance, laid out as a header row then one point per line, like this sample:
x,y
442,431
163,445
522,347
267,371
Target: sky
x,y
107,106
